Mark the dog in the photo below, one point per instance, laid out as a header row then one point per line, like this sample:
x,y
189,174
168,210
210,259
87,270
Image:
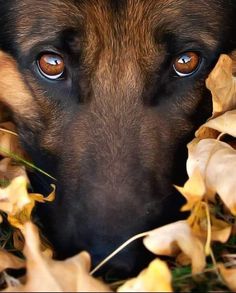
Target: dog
x,y
105,95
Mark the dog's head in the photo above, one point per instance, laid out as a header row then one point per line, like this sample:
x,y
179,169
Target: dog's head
x,y
107,95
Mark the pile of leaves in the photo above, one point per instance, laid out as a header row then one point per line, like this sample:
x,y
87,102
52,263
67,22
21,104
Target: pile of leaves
x,y
201,249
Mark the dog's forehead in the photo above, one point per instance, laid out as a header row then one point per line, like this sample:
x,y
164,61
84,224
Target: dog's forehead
x,y
136,19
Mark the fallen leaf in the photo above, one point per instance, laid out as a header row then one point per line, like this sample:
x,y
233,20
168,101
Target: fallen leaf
x,y
9,141
14,197
222,85
207,227
47,275
220,230
8,260
229,276
156,278
216,161
10,170
193,190
18,204
171,239
225,123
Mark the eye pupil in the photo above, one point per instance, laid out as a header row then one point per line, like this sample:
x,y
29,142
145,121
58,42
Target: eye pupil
x,y
51,65
186,64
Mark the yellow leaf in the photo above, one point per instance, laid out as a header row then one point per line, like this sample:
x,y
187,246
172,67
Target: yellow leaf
x,y
171,239
222,85
221,230
10,170
193,190
156,278
216,161
207,227
18,204
40,198
225,123
14,197
8,141
47,275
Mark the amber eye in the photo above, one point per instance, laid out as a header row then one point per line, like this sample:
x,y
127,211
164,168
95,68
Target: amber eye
x,y
186,64
51,65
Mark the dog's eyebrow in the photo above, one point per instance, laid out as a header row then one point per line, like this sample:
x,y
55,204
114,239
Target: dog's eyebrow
x,y
178,42
29,41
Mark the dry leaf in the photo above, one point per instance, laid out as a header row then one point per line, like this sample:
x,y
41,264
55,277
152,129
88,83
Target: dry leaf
x,y
207,227
222,85
225,124
8,260
171,239
18,204
220,230
229,276
14,197
47,275
9,170
9,142
216,161
156,278
193,190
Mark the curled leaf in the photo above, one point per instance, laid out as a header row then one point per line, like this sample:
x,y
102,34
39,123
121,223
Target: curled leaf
x,y
222,85
176,237
229,276
9,142
225,123
193,190
8,260
216,161
10,170
156,278
18,204
14,197
47,275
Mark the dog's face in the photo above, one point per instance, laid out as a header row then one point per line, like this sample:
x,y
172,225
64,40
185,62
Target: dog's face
x,y
115,89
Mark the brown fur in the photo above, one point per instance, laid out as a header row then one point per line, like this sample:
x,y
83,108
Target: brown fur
x,y
113,132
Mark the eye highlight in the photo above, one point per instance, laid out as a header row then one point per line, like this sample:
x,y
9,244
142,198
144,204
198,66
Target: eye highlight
x,y
51,65
186,64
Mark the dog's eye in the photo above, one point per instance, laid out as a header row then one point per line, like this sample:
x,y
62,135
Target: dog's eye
x,y
186,64
51,65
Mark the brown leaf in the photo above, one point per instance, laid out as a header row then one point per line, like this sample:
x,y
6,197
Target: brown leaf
x,y
156,278
171,239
